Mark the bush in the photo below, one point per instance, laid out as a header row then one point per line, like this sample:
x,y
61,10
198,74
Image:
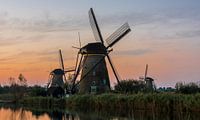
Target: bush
x,y
130,86
37,91
189,88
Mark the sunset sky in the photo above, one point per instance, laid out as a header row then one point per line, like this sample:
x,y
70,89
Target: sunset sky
x,y
165,34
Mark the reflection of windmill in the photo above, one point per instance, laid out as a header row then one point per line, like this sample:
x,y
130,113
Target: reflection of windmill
x,y
94,75
58,79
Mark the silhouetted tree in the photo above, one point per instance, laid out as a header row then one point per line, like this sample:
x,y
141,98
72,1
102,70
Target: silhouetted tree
x,y
37,91
130,86
18,87
189,88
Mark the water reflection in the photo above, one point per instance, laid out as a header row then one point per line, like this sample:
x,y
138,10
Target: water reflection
x,y
13,112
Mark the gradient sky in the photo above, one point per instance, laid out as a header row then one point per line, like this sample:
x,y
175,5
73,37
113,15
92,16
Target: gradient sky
x,y
165,34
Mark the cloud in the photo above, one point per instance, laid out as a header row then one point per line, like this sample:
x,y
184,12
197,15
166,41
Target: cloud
x,y
156,18
23,56
8,59
31,57
5,69
137,52
188,34
20,39
42,23
179,34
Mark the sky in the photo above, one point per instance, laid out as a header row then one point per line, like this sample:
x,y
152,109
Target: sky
x,y
165,35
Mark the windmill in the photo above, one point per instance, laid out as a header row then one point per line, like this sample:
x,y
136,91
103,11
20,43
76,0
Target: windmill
x,y
148,80
92,64
58,79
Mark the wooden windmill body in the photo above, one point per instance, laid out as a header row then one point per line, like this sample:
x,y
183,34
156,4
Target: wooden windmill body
x,y
97,79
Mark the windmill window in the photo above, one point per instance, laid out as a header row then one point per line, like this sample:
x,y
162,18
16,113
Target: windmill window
x,y
93,89
94,73
104,81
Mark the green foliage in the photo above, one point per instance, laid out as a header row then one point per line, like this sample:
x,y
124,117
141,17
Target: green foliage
x,y
37,91
130,86
189,88
160,102
166,89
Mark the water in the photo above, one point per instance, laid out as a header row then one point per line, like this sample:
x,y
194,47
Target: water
x,y
13,112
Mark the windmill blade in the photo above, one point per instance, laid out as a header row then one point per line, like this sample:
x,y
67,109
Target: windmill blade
x,y
65,78
79,39
94,26
49,81
118,34
62,64
77,73
77,58
145,74
61,60
81,63
69,69
114,70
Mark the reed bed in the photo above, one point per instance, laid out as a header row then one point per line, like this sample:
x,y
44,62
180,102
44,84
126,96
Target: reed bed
x,y
157,102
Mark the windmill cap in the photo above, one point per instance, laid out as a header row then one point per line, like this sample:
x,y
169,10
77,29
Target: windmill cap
x,y
149,78
58,72
94,48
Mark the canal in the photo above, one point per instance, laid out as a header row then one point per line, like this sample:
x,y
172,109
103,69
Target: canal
x,y
14,112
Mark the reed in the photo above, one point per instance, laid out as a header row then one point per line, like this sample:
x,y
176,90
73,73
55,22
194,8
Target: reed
x,y
160,102
157,102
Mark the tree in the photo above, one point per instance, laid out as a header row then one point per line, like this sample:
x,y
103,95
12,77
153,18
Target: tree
x,y
22,80
12,81
18,88
130,86
189,88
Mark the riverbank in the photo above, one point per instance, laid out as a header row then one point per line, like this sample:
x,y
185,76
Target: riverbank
x,y
158,102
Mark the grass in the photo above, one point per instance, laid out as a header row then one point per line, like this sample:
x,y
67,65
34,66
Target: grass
x,y
157,102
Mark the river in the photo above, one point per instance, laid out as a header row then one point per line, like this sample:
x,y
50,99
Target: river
x,y
13,112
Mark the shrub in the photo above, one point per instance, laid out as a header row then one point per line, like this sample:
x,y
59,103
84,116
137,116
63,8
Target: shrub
x,y
130,86
189,88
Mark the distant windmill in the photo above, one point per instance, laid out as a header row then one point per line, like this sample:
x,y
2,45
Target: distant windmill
x,y
58,79
92,65
148,80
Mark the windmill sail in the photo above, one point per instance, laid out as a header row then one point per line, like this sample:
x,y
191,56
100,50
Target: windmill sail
x,y
145,74
62,64
70,69
114,70
118,34
94,26
61,60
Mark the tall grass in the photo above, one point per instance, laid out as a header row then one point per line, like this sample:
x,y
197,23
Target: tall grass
x,y
157,102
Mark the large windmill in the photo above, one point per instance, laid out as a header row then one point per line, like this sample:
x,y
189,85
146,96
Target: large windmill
x,y
58,79
94,75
